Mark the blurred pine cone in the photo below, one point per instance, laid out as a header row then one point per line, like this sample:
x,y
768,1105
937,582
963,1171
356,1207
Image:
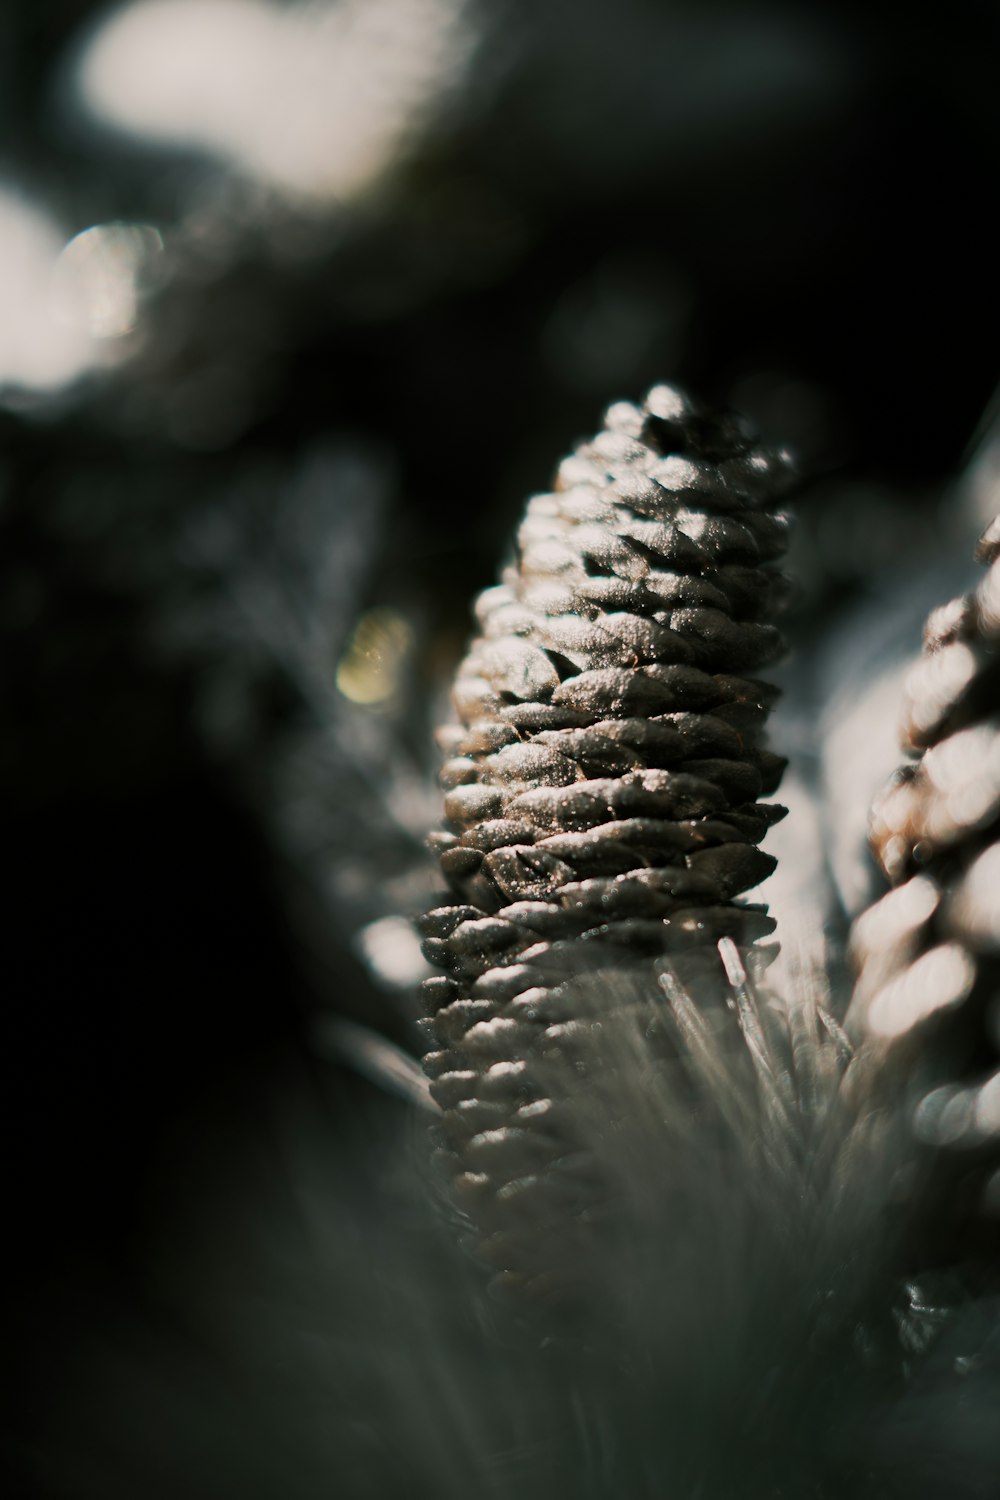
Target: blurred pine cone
x,y
601,796
927,952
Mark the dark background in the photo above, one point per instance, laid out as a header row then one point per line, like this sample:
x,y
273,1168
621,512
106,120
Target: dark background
x,y
789,208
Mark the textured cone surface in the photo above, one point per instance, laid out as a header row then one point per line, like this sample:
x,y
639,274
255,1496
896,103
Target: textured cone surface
x,y
928,953
601,796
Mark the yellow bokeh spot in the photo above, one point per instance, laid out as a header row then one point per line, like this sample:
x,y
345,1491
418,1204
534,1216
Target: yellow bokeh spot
x,y
371,669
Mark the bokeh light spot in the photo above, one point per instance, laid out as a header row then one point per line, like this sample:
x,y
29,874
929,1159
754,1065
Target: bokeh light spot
x,y
371,669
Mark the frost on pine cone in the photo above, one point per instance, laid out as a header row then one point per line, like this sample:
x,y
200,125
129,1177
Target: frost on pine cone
x,y
600,796
927,952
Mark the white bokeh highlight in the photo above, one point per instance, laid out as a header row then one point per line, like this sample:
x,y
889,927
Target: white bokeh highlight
x,y
65,306
315,100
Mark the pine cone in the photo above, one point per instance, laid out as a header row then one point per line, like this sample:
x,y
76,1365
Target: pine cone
x,y
927,952
600,795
